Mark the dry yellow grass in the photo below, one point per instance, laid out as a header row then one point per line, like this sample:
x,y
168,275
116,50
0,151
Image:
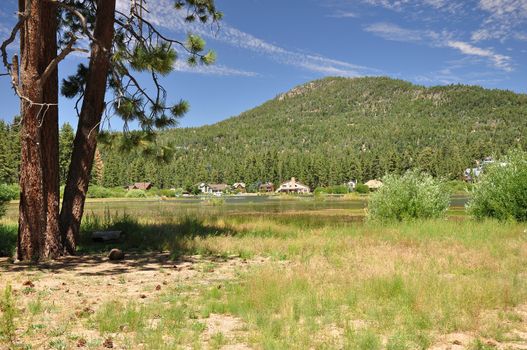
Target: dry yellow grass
x,y
319,285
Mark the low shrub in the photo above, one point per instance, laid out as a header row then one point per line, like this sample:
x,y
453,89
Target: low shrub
x,y
362,189
178,192
319,191
339,189
8,314
501,192
118,192
253,188
457,186
7,193
414,195
195,190
95,191
8,238
136,194
162,193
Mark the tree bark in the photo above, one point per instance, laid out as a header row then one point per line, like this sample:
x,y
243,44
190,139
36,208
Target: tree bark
x,y
50,139
85,141
37,47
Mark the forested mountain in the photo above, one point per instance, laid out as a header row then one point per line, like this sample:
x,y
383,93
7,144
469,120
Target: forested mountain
x,y
332,130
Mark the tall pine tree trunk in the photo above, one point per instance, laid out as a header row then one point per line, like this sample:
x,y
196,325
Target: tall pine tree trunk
x,y
50,140
38,48
85,141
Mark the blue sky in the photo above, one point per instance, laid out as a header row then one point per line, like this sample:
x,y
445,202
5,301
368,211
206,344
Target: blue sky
x,y
266,47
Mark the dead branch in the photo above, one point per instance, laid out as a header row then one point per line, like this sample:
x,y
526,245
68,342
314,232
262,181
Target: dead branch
x,y
6,43
61,56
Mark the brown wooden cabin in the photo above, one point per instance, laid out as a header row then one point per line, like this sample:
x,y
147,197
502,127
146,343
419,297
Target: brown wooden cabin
x,y
239,187
266,187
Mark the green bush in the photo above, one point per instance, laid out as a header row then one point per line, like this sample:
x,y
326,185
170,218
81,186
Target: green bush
x,y
253,188
136,194
414,195
8,235
7,193
162,193
195,190
339,189
13,190
362,189
501,192
457,186
319,191
95,191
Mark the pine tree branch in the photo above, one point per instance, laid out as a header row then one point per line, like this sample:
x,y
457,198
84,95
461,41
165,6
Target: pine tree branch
x,y
153,31
80,16
149,25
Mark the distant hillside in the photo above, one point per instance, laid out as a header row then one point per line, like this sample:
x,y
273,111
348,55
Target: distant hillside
x,y
331,130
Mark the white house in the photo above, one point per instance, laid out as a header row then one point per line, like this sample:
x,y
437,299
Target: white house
x,y
292,186
204,188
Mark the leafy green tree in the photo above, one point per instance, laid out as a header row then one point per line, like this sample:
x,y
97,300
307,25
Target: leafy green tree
x,y
502,191
414,195
7,193
9,151
66,136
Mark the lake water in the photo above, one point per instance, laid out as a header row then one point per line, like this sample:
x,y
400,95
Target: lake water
x,y
309,208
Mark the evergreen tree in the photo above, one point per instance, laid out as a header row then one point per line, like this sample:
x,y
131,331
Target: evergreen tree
x,y
65,146
333,130
121,46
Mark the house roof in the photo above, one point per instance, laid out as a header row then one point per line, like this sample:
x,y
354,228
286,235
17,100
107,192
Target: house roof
x,y
239,184
293,184
218,187
141,185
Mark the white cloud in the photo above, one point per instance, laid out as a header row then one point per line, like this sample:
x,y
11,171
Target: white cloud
x,y
498,19
504,17
500,61
220,70
504,7
166,16
450,6
389,4
393,32
390,31
343,14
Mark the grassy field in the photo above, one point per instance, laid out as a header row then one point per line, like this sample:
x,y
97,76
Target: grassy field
x,y
283,276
